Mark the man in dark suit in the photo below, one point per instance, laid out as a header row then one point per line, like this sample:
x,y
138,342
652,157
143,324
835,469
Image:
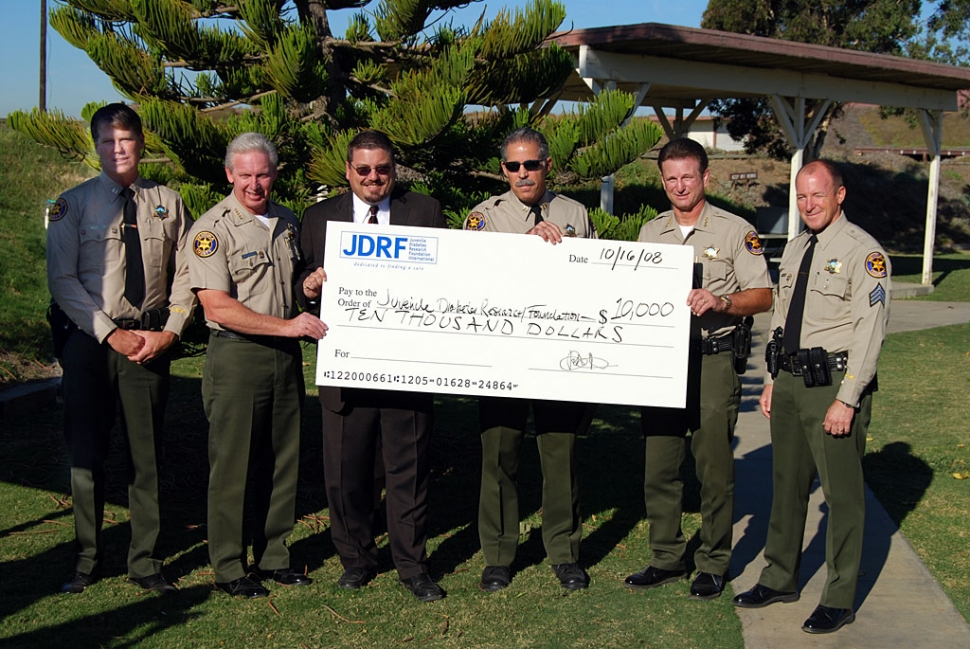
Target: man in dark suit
x,y
356,422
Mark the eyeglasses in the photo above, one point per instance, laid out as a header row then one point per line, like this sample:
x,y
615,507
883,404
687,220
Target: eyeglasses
x,y
530,165
364,170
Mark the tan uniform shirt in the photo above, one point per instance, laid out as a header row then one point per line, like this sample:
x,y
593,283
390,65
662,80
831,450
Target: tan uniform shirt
x,y
846,302
86,254
506,213
234,252
728,250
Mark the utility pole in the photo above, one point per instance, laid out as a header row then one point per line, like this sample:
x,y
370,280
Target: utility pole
x,y
42,104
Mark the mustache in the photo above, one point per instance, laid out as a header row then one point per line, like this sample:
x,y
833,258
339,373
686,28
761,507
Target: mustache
x,y
525,182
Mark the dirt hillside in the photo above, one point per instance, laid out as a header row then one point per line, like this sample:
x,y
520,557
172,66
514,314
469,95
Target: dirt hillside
x,y
886,192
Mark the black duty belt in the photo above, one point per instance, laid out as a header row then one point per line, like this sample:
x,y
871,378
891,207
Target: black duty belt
x,y
836,362
711,346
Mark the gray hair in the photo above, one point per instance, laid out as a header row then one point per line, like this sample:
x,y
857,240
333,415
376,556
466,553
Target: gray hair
x,y
249,142
526,134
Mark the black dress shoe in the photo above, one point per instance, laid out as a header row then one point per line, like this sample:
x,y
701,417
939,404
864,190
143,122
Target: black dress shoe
x,y
356,578
706,585
760,596
826,619
154,582
495,578
571,576
77,582
286,577
423,587
651,577
244,587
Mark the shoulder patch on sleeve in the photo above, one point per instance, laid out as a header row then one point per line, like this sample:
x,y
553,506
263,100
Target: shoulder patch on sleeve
x,y
205,244
475,221
753,243
58,210
876,265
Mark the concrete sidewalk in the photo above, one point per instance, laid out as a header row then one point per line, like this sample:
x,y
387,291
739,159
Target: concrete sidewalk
x,y
898,603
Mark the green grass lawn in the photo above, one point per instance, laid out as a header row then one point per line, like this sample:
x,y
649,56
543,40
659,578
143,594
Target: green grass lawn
x,y
918,458
951,275
36,536
919,442
29,176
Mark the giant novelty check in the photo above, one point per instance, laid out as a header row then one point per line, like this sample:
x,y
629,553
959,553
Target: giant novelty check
x,y
449,311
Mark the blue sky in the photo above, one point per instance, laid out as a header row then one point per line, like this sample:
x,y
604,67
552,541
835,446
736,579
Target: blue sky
x,y
73,80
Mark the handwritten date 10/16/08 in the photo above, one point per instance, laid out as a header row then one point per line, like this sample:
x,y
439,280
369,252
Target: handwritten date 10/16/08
x,y
624,257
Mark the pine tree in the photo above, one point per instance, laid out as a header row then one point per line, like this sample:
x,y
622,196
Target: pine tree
x,y
201,72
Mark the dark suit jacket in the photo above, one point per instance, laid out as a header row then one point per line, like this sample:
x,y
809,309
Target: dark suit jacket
x,y
407,208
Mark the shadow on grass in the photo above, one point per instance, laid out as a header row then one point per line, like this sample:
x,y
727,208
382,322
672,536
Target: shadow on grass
x,y
135,622
898,478
611,467
611,485
35,456
913,265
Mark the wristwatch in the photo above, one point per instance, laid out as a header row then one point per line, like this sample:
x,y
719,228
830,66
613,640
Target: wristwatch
x,y
727,300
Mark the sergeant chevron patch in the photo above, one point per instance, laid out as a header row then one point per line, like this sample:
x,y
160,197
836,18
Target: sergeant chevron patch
x,y
877,296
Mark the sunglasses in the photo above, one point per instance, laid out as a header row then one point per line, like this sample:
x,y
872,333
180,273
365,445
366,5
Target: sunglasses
x,y
530,165
364,170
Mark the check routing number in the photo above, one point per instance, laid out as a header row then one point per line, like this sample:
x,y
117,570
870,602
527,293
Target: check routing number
x,y
450,311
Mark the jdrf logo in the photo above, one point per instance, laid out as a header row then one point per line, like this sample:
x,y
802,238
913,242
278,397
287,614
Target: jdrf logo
x,y
388,247
366,245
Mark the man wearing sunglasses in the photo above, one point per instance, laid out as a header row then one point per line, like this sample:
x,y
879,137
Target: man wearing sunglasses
x,y
530,208
358,423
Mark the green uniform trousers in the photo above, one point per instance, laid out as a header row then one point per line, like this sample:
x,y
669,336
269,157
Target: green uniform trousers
x,y
710,416
503,422
252,393
96,380
800,448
